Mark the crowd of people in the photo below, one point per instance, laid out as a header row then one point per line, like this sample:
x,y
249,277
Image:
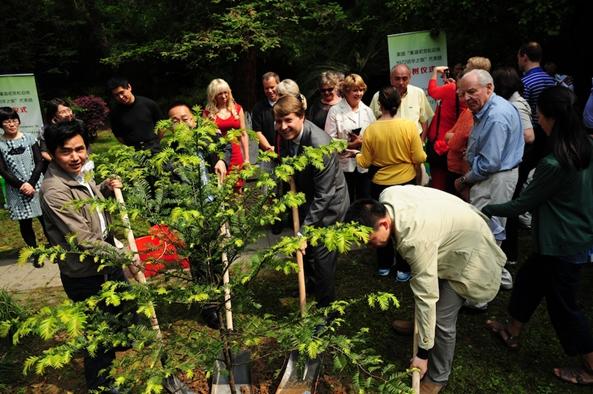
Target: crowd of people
x,y
497,145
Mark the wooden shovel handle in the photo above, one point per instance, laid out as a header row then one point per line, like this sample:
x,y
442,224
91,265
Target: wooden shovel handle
x,y
296,225
139,275
224,230
415,374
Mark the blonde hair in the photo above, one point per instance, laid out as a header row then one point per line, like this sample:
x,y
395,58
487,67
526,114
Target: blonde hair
x,y
215,87
352,81
289,104
478,62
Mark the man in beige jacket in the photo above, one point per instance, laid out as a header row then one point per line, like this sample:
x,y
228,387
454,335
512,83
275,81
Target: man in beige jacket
x,y
453,257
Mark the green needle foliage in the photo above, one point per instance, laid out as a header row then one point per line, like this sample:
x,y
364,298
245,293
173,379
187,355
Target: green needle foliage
x,y
168,189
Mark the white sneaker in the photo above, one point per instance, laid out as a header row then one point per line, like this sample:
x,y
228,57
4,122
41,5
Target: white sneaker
x,y
506,280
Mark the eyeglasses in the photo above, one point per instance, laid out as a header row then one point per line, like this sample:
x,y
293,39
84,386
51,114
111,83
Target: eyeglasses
x,y
326,90
7,121
183,119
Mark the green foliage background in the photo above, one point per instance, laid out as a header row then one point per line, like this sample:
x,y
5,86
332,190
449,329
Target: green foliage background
x,y
172,48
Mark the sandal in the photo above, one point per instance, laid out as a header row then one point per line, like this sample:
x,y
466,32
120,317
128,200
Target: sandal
x,y
502,332
575,375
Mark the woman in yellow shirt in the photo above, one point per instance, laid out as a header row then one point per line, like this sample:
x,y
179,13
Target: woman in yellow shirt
x,y
392,150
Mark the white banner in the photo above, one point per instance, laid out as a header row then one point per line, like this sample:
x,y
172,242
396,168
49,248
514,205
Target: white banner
x,y
20,92
420,51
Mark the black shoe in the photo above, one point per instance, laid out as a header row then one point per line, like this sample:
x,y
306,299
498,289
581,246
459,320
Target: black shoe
x,y
35,262
210,317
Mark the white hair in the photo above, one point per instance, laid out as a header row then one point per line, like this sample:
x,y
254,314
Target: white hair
x,y
484,78
287,86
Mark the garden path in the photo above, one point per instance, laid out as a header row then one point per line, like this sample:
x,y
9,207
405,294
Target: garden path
x,y
20,277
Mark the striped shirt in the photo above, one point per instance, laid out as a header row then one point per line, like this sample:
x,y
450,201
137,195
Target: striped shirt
x,y
534,82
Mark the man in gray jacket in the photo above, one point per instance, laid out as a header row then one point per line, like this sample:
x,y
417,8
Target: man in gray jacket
x,y
64,183
325,191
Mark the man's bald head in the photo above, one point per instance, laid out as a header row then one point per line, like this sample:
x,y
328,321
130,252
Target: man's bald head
x,y
400,77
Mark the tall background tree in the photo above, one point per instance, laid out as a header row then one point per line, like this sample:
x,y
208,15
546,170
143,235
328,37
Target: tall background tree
x,y
171,49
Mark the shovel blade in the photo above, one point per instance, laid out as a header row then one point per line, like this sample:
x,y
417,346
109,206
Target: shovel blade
x,y
175,386
299,379
241,371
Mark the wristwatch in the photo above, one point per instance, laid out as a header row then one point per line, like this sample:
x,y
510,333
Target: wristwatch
x,y
462,180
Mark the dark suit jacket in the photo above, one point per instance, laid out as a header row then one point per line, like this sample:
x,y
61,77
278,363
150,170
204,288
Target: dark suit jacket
x,y
326,192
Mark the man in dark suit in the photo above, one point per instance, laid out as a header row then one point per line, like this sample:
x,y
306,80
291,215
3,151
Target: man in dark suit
x,y
325,191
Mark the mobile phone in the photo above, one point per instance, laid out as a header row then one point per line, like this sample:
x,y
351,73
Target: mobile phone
x,y
356,131
447,73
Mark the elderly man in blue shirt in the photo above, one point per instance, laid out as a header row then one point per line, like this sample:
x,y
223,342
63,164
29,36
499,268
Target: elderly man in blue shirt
x,y
494,149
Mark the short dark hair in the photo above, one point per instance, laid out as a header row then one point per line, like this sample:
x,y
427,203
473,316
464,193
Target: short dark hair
x,y
390,99
8,113
51,108
367,212
533,51
270,74
116,82
506,82
179,103
57,134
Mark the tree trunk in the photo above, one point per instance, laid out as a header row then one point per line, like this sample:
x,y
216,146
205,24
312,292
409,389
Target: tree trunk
x,y
245,85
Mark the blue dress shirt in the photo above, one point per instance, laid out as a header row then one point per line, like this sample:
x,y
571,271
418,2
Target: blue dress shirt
x,y
496,142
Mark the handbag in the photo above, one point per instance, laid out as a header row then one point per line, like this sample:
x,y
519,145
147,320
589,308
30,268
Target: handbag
x,y
437,157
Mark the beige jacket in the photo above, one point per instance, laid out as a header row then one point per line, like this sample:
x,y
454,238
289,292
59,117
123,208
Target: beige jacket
x,y
442,237
57,191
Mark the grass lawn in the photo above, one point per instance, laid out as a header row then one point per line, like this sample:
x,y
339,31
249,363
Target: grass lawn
x,y
481,364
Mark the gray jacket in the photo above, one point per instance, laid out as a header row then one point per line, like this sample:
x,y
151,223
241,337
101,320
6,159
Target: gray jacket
x,y
326,192
57,191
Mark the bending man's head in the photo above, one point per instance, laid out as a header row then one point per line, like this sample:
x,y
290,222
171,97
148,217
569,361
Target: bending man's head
x,y
372,213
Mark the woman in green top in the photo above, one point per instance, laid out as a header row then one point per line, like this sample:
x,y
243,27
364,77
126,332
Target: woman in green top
x,y
561,200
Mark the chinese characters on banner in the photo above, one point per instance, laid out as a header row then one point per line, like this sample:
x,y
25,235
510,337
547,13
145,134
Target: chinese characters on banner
x,y
20,92
421,51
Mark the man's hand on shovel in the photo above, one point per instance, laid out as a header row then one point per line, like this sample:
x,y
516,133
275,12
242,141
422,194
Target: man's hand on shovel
x,y
113,183
420,364
303,244
136,266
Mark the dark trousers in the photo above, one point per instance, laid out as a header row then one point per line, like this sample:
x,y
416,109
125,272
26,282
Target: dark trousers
x,y
359,185
320,273
27,231
79,289
531,156
387,253
450,186
510,245
557,281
